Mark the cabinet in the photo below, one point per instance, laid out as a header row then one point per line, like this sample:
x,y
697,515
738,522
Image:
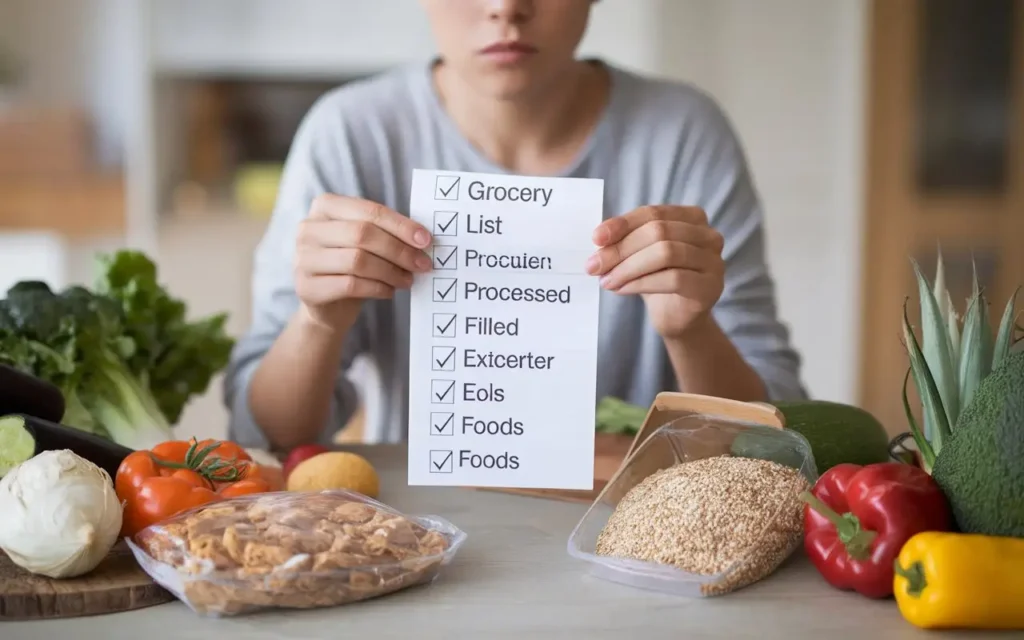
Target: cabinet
x,y
945,168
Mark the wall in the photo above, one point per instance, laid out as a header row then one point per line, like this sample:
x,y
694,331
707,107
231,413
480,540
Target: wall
x,y
76,53
313,35
49,36
8,13
789,73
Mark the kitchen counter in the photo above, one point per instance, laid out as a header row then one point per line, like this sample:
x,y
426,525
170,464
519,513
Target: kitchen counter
x,y
513,578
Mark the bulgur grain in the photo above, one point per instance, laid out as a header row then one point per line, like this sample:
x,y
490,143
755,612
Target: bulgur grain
x,y
708,515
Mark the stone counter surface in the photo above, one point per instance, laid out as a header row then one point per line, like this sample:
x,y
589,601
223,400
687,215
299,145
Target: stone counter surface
x,y
514,578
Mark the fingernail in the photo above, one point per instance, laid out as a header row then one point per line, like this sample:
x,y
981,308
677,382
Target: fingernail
x,y
604,281
421,238
593,264
423,263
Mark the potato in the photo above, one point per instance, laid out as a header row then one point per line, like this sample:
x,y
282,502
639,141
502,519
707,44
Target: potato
x,y
335,470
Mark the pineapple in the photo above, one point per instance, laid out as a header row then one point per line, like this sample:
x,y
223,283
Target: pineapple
x,y
952,358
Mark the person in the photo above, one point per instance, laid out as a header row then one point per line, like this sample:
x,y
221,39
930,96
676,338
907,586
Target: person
x,y
687,299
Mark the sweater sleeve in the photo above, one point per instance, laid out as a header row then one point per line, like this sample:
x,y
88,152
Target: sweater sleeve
x,y
318,151
718,179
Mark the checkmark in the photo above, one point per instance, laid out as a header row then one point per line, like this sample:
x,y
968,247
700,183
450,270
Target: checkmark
x,y
445,257
442,391
444,325
442,424
440,461
444,359
446,188
444,289
446,223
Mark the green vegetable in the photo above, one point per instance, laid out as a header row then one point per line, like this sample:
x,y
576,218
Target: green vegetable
x,y
617,416
758,444
951,360
981,468
175,358
16,444
124,356
837,432
48,436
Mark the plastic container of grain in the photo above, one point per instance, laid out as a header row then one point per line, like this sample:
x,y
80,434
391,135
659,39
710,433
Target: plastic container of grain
x,y
689,439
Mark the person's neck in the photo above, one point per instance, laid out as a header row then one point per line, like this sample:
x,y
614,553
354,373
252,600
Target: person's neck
x,y
536,134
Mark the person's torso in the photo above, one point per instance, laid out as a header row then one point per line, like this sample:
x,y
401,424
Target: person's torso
x,y
636,149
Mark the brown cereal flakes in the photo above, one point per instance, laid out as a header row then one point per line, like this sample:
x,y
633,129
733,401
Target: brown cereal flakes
x,y
293,551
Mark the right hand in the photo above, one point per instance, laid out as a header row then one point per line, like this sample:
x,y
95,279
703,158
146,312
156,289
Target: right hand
x,y
349,250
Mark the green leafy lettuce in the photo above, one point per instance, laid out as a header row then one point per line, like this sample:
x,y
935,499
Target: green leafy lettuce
x,y
124,355
614,415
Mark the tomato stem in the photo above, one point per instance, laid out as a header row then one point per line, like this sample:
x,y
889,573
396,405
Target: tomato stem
x,y
212,469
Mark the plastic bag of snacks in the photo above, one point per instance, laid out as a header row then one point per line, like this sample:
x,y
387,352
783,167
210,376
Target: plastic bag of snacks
x,y
292,550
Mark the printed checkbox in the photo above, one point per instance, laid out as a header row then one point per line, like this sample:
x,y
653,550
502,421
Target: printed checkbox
x,y
444,289
446,257
447,188
442,391
441,461
444,325
442,424
446,223
443,359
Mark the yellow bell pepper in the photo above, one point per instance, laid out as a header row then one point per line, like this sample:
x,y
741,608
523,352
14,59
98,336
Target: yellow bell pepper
x,y
966,581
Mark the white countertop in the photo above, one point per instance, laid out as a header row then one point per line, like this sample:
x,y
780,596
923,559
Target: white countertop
x,y
513,578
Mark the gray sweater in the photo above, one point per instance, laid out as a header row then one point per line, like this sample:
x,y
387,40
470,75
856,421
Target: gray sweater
x,y
658,142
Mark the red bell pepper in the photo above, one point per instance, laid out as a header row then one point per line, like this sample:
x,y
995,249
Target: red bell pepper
x,y
857,519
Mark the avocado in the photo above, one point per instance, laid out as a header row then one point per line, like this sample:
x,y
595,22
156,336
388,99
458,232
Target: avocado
x,y
981,467
837,433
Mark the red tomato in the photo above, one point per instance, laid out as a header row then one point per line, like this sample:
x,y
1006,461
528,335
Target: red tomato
x,y
178,475
272,476
299,454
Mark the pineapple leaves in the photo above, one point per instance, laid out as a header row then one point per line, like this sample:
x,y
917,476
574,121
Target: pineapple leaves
x,y
927,390
976,355
923,446
955,339
1004,338
936,359
946,309
951,360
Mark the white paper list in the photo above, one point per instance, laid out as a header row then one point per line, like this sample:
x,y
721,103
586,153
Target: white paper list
x,y
503,342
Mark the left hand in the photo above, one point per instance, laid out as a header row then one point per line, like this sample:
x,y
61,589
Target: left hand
x,y
670,255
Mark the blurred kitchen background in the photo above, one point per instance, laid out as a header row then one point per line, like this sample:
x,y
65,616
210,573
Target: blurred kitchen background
x,y
875,130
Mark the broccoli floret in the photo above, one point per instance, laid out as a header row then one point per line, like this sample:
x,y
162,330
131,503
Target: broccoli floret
x,y
75,341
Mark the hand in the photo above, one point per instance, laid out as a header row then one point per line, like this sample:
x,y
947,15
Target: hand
x,y
667,254
349,250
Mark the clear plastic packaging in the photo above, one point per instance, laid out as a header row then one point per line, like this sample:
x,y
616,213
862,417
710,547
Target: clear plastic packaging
x,y
688,439
292,550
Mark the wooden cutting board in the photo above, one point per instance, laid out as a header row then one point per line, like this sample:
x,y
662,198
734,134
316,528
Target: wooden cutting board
x,y
117,584
564,495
